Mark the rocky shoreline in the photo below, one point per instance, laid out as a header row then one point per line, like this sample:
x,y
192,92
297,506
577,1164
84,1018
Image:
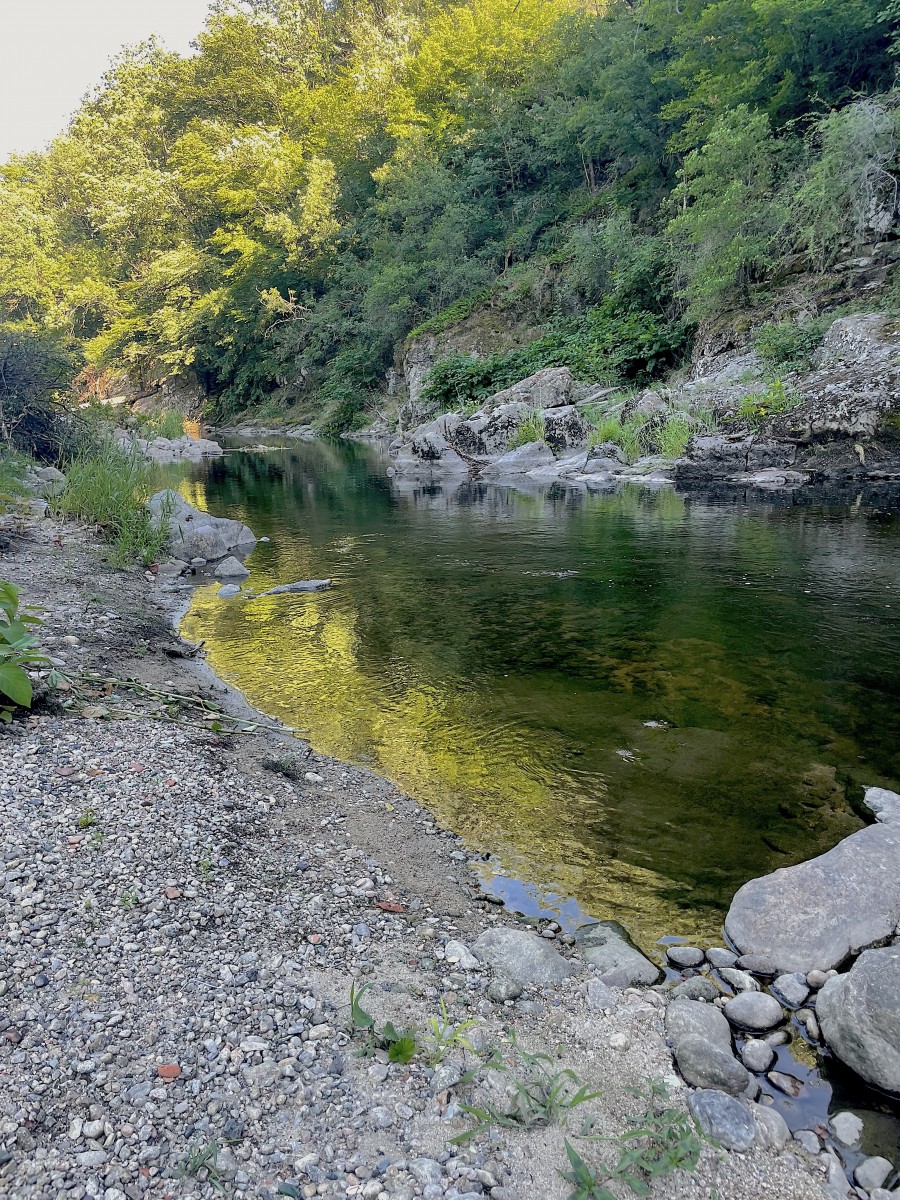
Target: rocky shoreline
x,y
185,910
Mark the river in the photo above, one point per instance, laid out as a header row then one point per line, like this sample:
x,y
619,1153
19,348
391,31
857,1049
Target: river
x,y
632,701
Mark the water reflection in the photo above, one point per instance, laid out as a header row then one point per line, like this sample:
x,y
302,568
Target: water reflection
x,y
635,699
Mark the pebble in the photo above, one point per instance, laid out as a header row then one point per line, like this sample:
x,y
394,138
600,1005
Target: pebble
x,y
696,988
757,1055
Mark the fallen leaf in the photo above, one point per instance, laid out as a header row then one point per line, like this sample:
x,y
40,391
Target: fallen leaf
x,y
389,906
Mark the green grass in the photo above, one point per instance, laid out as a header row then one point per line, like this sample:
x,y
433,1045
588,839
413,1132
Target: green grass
x,y
109,487
629,435
756,408
168,423
532,429
13,468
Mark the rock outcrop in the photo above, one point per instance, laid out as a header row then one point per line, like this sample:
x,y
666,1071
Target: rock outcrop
x,y
163,450
859,1015
195,534
817,914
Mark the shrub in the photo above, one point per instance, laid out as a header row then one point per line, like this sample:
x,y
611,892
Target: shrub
x,y
35,372
109,487
790,344
757,407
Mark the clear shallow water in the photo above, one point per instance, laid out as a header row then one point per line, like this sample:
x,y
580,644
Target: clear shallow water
x,y
635,701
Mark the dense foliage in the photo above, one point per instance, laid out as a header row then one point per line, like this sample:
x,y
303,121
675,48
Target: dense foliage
x,y
269,217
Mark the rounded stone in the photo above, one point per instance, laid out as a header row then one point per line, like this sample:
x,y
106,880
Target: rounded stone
x,y
698,987
872,1172
754,1010
720,957
725,1119
791,989
816,979
684,956
757,1055
773,1130
706,1065
758,964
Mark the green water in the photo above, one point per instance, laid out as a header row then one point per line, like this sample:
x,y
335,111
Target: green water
x,y
762,642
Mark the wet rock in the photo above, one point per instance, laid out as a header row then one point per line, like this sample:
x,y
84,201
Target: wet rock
x,y
522,956
847,1128
818,913
757,1055
607,946
741,981
719,957
696,988
789,1084
231,568
773,1132
684,956
228,591
301,585
754,1010
724,1118
758,964
195,534
791,989
859,1016
872,1172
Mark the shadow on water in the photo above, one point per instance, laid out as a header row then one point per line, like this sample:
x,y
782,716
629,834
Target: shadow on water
x,y
634,701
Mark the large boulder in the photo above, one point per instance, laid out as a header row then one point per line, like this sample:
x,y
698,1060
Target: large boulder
x,y
550,388
521,461
817,914
195,534
856,383
607,946
859,1015
522,957
565,427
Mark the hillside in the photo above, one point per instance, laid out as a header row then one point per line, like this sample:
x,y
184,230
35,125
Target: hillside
x,y
278,221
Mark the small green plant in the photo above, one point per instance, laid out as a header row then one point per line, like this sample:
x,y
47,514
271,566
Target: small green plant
x,y
445,1036
540,1094
202,1163
662,1140
97,839
17,651
167,423
284,764
399,1044
129,898
587,1182
532,429
12,477
205,866
87,819
757,407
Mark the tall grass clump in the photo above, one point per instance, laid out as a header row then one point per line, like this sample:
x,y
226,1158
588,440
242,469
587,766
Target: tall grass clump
x,y
629,435
672,436
167,423
109,486
532,429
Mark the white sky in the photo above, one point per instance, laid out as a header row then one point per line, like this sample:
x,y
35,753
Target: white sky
x,y
53,51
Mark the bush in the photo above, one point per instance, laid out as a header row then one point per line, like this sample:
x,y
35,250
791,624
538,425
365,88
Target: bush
x,y
757,407
790,344
35,373
109,487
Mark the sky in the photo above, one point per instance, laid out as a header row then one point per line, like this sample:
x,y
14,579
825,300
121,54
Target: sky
x,y
53,51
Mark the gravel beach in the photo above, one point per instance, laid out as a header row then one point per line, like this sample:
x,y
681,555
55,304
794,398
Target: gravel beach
x,y
181,926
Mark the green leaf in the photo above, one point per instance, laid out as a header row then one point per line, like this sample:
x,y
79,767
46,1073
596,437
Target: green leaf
x,y
15,684
402,1050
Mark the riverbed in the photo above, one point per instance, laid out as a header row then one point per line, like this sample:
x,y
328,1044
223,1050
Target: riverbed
x,y
632,701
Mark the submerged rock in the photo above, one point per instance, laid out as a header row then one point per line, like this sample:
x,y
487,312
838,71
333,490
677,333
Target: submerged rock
x,y
859,1016
522,957
607,946
302,585
819,913
195,534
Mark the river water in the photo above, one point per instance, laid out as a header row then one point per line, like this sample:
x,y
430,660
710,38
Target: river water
x,y
634,701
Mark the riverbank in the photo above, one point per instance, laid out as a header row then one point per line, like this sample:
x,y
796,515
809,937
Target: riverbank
x,y
183,926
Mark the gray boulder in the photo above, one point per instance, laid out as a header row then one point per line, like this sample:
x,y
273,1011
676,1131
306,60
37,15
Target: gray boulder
x,y
231,568
565,427
195,534
754,1010
859,1016
723,1118
720,957
684,956
46,481
698,987
549,388
884,805
872,1172
820,912
701,1041
521,956
607,946
520,461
